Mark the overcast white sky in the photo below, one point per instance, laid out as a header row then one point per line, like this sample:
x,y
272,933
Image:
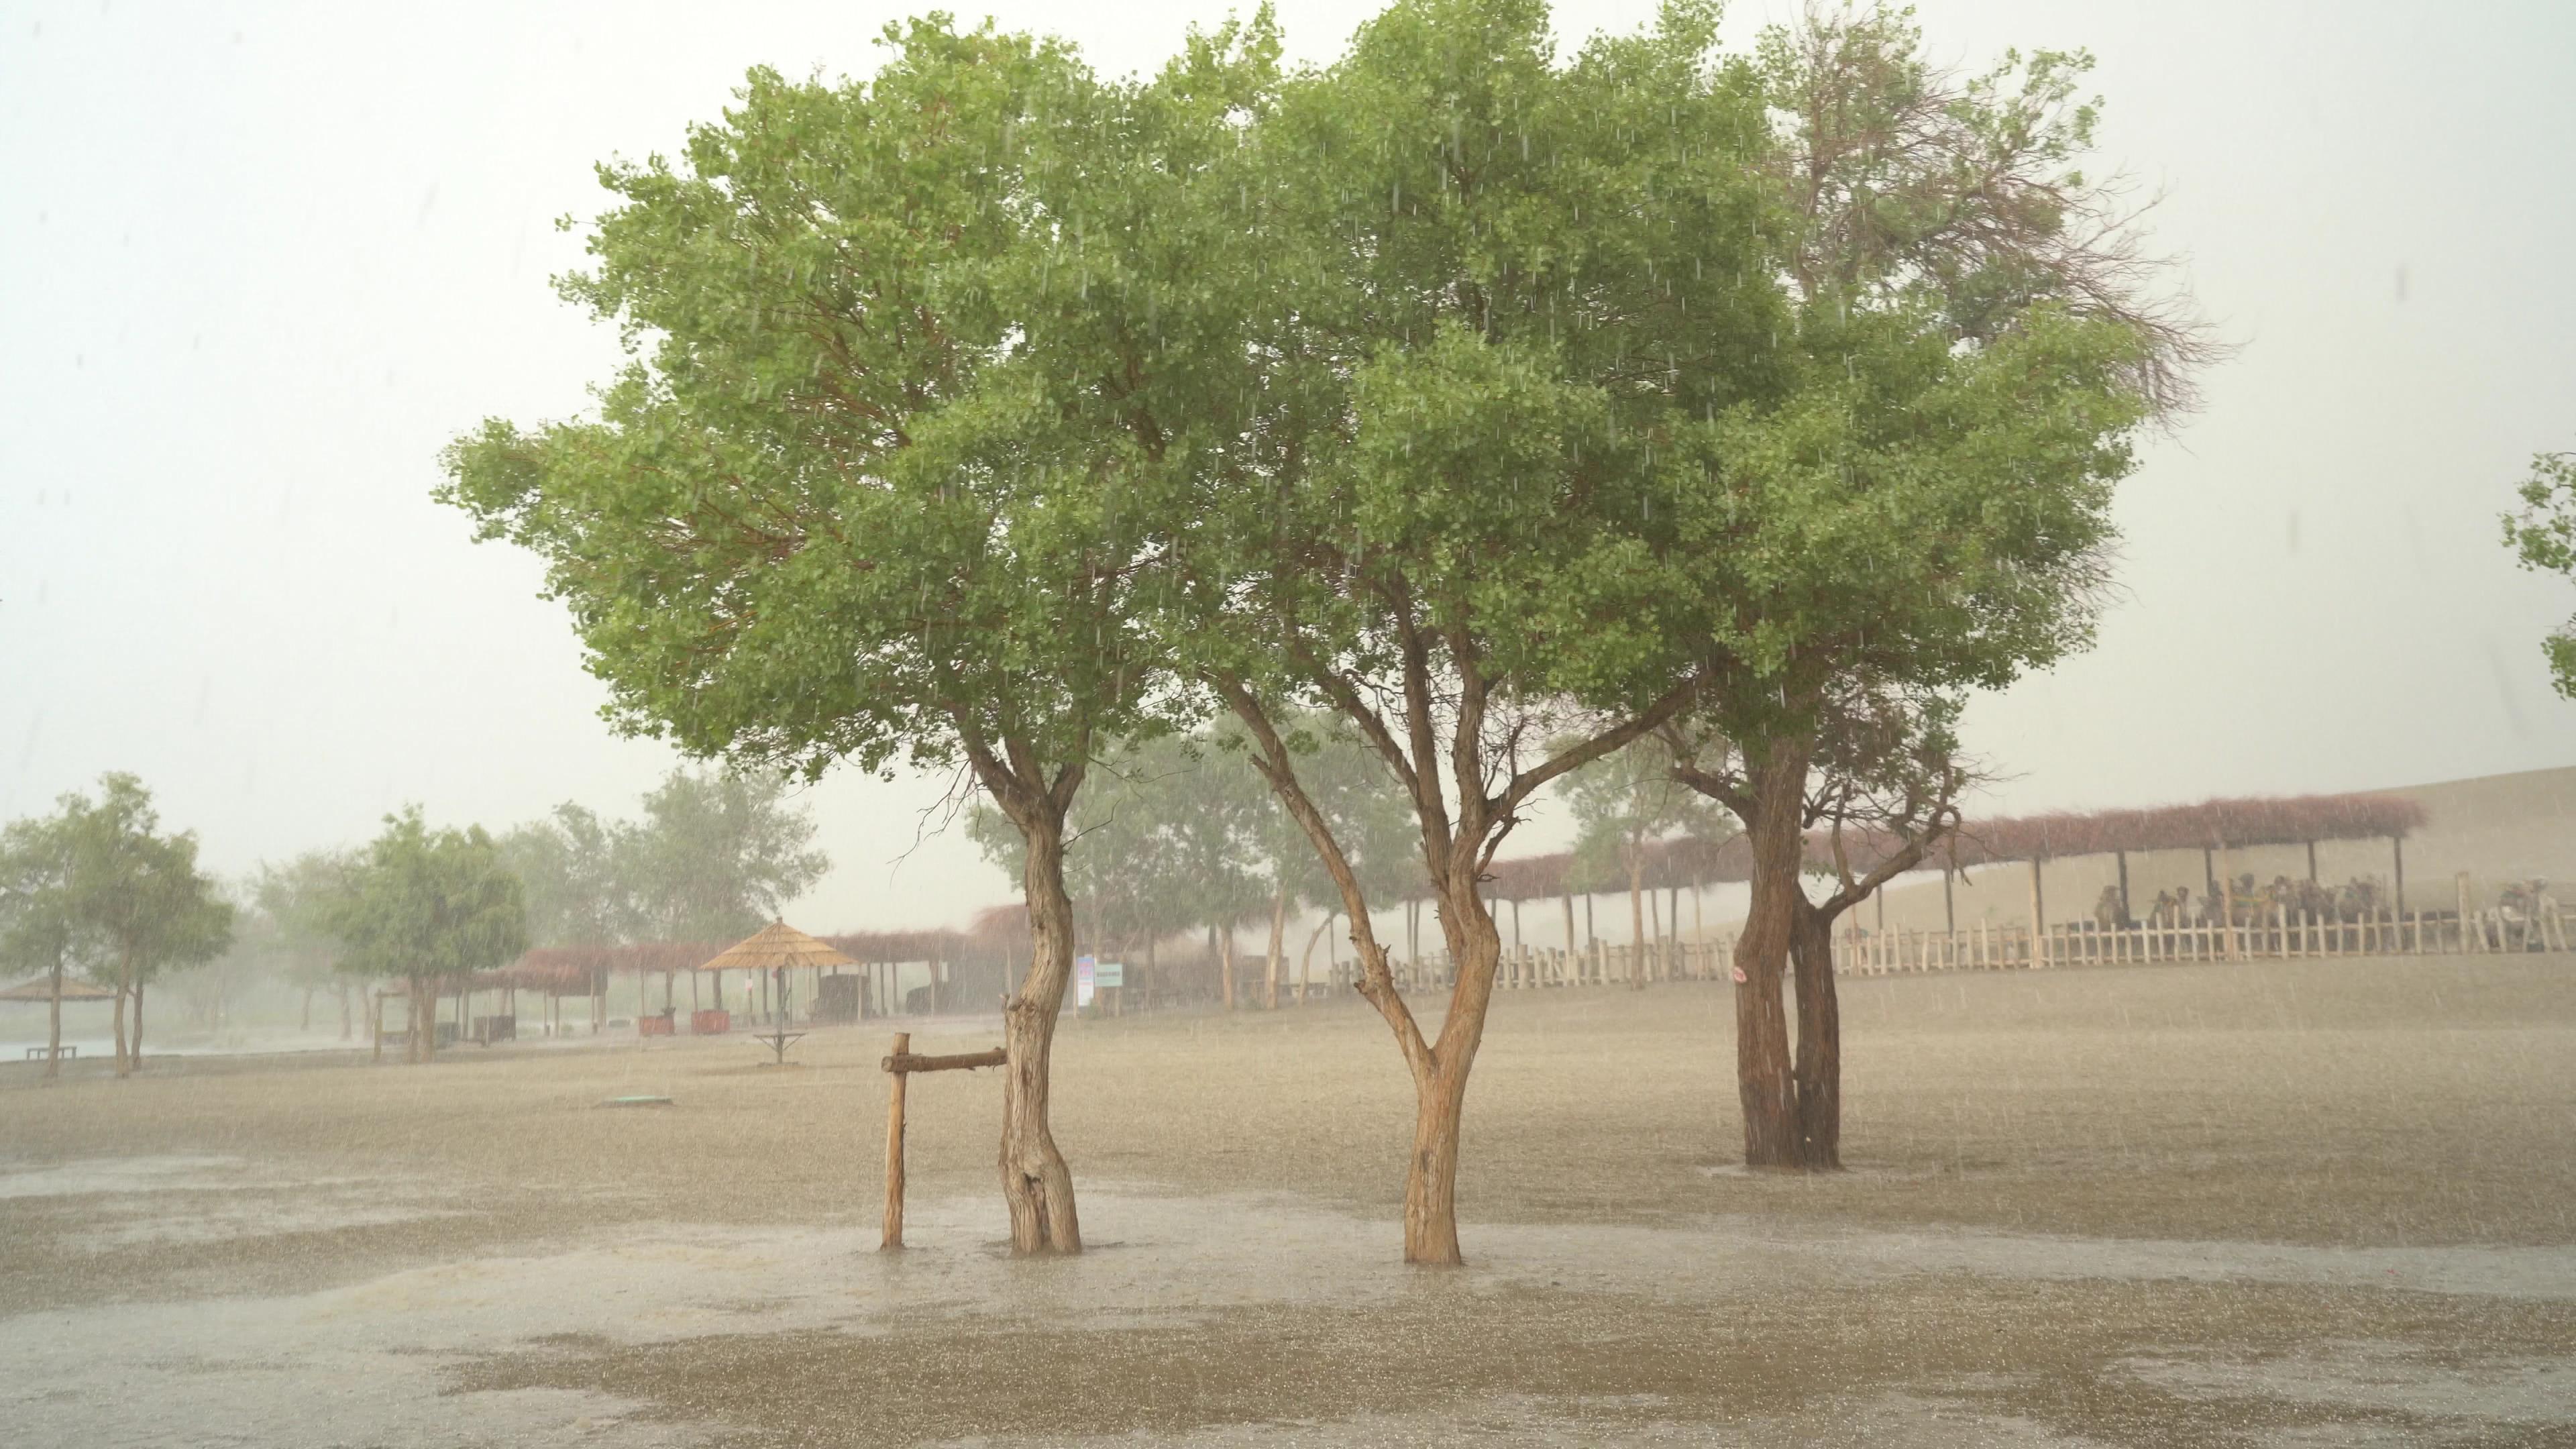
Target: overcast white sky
x,y
258,262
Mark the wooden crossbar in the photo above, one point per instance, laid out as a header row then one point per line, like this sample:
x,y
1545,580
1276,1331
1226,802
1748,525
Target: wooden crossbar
x,y
904,1061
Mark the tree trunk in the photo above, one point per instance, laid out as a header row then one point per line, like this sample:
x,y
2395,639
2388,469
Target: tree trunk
x,y
343,991
1636,916
1036,1184
1306,959
1819,1071
54,1024
308,1010
138,1024
1431,1173
1440,1080
124,986
1278,952
1763,1078
1225,961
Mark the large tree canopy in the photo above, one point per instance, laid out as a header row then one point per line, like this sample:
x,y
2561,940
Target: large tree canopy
x,y
1501,291
919,362
1973,339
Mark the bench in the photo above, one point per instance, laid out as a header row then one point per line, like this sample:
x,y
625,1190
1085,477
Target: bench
x,y
37,1053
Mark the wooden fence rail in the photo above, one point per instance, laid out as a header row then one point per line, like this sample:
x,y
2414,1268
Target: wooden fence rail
x,y
2284,935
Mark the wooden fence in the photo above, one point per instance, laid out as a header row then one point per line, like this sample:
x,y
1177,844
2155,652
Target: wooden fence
x,y
1984,947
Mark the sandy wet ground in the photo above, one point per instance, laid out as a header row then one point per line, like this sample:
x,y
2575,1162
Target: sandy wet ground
x,y
2325,1203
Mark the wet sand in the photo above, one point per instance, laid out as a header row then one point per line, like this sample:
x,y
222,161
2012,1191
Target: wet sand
x,y
2302,1203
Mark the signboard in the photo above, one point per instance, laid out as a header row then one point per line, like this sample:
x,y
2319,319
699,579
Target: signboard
x,y
1083,967
1109,973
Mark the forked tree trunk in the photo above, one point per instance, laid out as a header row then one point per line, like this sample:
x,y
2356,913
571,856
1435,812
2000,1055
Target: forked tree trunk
x,y
1036,1184
1819,1070
1440,1086
1763,1079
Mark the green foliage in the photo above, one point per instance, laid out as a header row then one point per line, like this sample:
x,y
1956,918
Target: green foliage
x,y
910,396
1625,801
297,900
37,929
1501,287
1972,344
2543,538
133,892
715,856
429,906
1178,833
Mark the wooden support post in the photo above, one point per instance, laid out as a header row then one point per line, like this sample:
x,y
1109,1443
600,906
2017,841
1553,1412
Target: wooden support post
x,y
2460,886
893,1239
2038,920
2397,853
2227,900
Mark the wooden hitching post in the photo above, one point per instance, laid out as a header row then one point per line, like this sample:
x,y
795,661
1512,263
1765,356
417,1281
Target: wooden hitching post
x,y
893,1239
900,1064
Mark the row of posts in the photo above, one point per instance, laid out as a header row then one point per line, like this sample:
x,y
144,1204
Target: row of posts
x,y
1987,947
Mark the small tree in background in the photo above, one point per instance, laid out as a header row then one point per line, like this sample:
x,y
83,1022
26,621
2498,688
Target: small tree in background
x,y
716,855
139,896
1622,804
37,929
429,908
2543,537
576,869
297,899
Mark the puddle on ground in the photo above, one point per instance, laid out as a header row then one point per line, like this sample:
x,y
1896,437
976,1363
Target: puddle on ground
x,y
2528,1391
362,1362
138,1202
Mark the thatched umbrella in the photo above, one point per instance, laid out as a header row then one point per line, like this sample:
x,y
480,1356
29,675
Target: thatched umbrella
x,y
775,948
56,988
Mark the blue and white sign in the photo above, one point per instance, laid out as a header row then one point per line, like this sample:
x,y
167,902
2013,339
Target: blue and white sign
x,y
1083,968
1109,973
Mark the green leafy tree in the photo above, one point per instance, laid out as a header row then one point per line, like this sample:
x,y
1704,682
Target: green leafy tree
x,y
138,895
297,899
576,867
917,367
1622,804
1504,289
428,908
37,928
2543,537
716,856
1974,338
